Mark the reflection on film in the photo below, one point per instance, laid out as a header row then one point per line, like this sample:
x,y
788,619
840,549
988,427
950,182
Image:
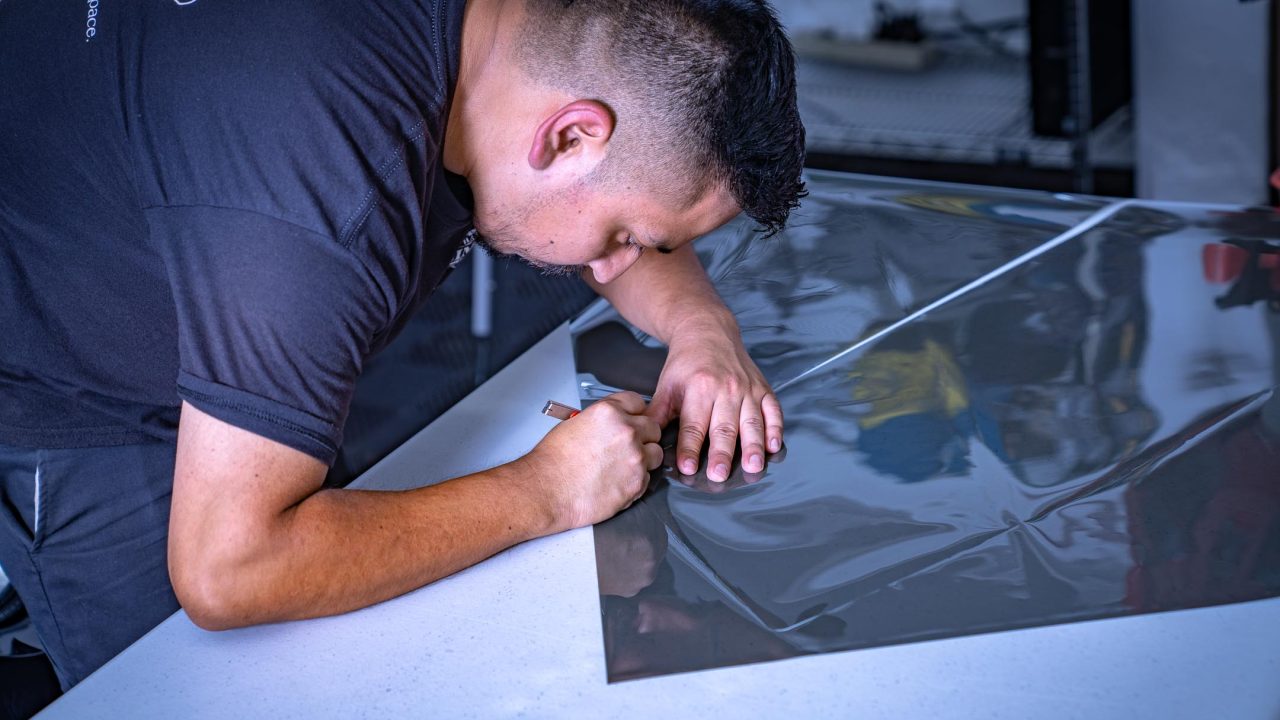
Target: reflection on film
x,y
1094,433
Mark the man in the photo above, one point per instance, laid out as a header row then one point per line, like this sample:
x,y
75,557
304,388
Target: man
x,y
210,216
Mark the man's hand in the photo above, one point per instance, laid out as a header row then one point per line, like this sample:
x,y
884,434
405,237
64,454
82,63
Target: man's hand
x,y
709,380
720,395
597,463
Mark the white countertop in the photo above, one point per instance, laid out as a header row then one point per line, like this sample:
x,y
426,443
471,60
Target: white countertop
x,y
519,635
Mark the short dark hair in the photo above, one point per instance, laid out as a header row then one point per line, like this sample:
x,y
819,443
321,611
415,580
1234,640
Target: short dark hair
x,y
705,88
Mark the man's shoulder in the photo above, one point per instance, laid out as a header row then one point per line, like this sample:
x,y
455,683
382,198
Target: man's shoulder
x,y
252,58
299,111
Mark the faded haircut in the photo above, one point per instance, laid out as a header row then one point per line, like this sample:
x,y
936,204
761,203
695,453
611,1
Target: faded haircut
x,y
703,93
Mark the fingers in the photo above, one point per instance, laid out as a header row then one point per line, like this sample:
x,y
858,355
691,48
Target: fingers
x,y
627,401
693,431
772,421
652,456
757,424
647,429
751,430
723,439
661,407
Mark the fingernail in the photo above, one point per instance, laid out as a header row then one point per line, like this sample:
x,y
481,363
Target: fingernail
x,y
722,471
757,463
688,467
775,445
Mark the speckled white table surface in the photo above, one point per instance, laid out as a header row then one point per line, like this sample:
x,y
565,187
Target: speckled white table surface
x,y
519,636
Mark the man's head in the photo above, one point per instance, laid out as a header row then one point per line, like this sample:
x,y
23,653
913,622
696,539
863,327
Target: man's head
x,y
635,121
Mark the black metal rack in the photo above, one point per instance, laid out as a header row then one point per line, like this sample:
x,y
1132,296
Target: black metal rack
x,y
968,117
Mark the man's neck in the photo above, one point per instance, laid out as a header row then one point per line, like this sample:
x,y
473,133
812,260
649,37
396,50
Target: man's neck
x,y
481,52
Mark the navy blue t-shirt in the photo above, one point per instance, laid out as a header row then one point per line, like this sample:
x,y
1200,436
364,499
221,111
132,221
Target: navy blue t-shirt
x,y
228,203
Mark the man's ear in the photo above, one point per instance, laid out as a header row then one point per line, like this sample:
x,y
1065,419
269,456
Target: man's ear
x,y
580,130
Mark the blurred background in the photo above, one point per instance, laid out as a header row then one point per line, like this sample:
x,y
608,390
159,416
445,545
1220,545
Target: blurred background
x,y
1168,99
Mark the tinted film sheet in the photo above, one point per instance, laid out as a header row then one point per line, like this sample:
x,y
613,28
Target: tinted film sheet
x,y
1083,422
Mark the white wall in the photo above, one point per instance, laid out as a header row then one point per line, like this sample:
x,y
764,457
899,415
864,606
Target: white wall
x,y
855,19
1200,84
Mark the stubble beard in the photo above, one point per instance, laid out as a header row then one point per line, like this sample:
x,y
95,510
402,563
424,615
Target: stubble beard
x,y
501,239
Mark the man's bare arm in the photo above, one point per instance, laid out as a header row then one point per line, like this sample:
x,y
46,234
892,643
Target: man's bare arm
x,y
253,538
667,294
709,380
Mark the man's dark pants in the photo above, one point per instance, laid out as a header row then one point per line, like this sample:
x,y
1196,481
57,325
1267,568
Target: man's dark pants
x,y
83,537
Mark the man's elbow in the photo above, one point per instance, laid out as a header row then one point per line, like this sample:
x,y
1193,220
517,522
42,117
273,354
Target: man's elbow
x,y
208,591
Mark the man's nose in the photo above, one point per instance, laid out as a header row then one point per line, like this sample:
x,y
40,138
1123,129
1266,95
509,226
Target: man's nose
x,y
612,265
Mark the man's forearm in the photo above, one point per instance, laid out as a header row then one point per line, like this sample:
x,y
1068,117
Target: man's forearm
x,y
664,295
339,550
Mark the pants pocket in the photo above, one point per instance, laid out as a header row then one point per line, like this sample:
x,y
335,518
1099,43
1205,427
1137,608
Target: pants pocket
x,y
17,495
39,506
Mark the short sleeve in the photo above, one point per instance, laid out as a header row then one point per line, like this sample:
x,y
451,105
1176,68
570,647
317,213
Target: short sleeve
x,y
274,322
